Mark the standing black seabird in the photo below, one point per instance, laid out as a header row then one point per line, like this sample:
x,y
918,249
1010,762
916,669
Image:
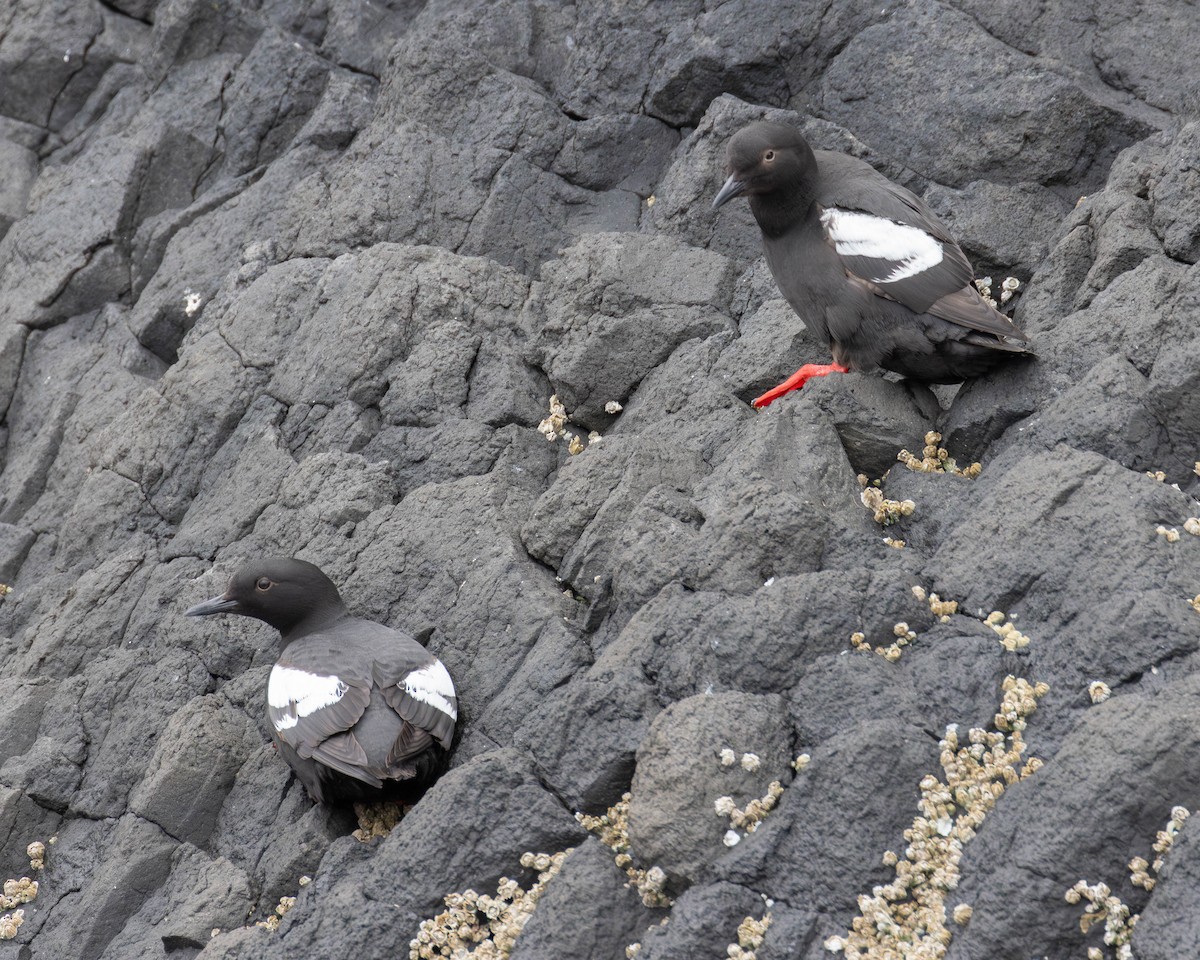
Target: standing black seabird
x,y
358,710
865,263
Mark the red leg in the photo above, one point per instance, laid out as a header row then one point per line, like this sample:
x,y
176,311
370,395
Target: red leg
x,y
797,380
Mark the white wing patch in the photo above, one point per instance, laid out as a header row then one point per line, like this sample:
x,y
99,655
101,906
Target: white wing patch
x,y
855,234
432,685
299,693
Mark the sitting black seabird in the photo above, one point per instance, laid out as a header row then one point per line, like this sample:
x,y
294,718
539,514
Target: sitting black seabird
x,y
864,262
358,710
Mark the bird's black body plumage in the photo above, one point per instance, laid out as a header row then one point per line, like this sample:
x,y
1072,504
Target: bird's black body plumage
x,y
359,711
864,262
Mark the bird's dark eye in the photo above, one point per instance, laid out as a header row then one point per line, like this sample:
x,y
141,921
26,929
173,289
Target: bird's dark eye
x,y
263,584
769,156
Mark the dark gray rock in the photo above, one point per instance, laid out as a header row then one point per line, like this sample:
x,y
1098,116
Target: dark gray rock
x,y
1081,842
1004,92
282,277
591,897
1163,928
702,917
615,307
193,768
672,820
1005,230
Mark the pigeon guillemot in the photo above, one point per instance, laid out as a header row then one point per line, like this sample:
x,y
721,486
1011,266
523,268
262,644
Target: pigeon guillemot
x,y
864,262
358,710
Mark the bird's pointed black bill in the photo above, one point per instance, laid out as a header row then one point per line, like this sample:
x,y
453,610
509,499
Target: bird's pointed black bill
x,y
214,605
733,188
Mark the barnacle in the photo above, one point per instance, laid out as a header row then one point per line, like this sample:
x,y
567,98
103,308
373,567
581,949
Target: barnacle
x,y
482,926
554,425
750,934
612,828
935,459
9,924
1099,691
1010,637
907,917
377,819
885,512
281,909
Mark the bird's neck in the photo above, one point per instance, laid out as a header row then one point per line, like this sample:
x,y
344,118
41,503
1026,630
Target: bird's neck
x,y
313,623
780,211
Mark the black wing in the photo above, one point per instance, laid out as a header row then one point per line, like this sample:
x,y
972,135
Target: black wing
x,y
313,713
420,690
888,239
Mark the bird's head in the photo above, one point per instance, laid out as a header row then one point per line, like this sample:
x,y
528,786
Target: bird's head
x,y
281,591
765,158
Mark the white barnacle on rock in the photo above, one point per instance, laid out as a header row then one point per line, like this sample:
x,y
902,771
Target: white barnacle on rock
x,y
731,838
728,757
554,425
10,923
1099,691
192,302
750,762
613,407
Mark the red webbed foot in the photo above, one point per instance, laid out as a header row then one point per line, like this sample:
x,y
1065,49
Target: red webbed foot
x,y
798,380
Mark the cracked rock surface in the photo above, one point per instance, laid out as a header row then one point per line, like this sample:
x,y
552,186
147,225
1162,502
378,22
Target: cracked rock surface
x,y
302,277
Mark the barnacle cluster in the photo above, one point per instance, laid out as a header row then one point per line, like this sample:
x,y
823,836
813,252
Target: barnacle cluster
x,y
891,653
1158,475
749,817
10,923
272,922
612,827
16,893
942,609
555,425
484,927
36,852
1100,903
1170,533
377,819
1103,904
1007,288
1194,603
885,511
1192,526
935,459
1010,637
750,933
907,917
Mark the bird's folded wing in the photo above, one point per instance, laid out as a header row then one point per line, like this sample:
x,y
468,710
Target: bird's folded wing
x,y
307,708
889,239
420,690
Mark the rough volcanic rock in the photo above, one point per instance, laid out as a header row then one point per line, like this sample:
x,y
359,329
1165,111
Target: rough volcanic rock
x,y
303,277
